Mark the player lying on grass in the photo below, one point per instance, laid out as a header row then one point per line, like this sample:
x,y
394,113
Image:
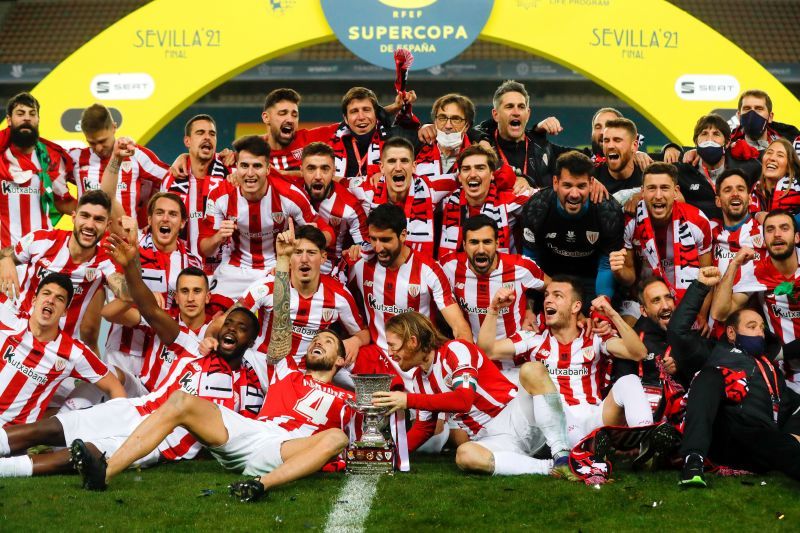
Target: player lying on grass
x,y
577,363
506,426
298,428
222,375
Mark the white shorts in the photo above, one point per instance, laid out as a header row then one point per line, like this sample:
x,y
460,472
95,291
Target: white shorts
x,y
513,429
232,282
253,447
86,394
131,364
582,420
107,426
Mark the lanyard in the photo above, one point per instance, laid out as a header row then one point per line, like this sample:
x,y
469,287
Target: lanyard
x,y
505,159
773,393
708,177
361,160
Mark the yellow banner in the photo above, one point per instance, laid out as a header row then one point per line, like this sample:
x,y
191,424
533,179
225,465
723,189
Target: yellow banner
x,y
159,59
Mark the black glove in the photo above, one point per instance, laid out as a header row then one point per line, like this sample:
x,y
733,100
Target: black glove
x,y
248,490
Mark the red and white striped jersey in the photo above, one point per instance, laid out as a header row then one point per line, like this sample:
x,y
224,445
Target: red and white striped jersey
x,y
783,308
331,303
158,359
142,166
209,377
501,206
31,370
578,368
474,292
675,248
253,242
297,401
194,193
418,206
160,273
728,242
343,212
418,285
47,251
21,190
454,362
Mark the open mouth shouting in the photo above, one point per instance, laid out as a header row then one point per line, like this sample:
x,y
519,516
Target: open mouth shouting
x,y
482,262
287,129
164,230
474,184
317,188
227,341
665,315
250,181
658,208
48,311
399,179
613,157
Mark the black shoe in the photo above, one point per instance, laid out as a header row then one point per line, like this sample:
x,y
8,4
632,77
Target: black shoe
x,y
602,446
692,473
91,467
248,490
657,444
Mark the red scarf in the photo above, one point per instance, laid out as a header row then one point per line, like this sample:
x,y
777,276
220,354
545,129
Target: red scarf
x,y
685,253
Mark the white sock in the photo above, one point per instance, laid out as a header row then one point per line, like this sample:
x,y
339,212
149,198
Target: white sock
x,y
514,464
550,419
5,450
629,394
19,466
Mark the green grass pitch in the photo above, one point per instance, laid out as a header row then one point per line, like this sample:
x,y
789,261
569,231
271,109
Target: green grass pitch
x,y
193,496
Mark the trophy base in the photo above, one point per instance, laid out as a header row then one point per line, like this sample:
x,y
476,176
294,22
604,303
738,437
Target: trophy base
x,y
368,458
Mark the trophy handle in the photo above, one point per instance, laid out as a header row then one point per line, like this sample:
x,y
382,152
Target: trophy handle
x,y
351,404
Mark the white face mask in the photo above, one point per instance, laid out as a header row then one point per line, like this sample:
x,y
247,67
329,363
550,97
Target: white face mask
x,y
448,140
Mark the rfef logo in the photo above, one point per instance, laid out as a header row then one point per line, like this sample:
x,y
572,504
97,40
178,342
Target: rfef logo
x,y
435,31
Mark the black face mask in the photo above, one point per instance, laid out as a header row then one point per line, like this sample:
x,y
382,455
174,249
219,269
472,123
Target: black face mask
x,y
754,345
710,152
753,124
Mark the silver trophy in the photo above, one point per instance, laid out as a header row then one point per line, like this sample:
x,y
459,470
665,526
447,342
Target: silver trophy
x,y
372,453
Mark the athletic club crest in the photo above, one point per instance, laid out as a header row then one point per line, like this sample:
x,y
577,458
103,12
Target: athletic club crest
x,y
126,166
278,217
91,274
508,286
592,236
297,154
327,314
61,364
335,221
758,241
588,353
413,290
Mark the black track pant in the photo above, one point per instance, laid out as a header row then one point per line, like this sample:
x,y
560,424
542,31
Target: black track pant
x,y
724,440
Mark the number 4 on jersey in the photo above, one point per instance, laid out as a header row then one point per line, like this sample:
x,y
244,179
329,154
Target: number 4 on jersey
x,y
315,406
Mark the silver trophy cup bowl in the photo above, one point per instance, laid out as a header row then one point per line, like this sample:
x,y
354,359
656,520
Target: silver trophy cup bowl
x,y
366,385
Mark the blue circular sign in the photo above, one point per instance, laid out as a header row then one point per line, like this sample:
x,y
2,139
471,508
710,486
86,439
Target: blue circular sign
x,y
435,31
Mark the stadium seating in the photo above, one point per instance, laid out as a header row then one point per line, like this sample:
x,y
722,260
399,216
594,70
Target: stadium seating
x,y
41,31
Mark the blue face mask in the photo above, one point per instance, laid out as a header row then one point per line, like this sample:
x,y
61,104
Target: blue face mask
x,y
753,124
754,345
710,152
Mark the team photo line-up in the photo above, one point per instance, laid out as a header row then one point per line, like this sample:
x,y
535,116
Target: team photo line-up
x,y
536,308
